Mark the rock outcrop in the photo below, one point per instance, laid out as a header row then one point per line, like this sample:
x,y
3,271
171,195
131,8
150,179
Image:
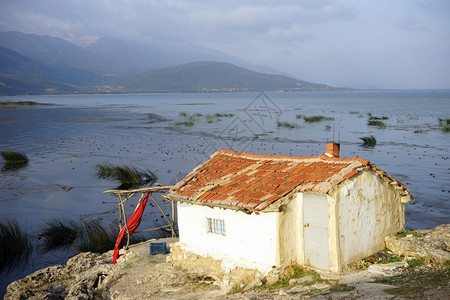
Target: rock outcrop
x,y
78,279
139,275
433,244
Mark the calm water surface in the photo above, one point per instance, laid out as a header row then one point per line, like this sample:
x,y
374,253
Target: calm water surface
x,y
67,137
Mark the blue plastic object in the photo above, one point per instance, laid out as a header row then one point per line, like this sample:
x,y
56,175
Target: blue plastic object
x,y
158,248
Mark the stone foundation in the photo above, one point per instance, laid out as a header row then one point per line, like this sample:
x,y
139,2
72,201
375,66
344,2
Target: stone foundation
x,y
206,267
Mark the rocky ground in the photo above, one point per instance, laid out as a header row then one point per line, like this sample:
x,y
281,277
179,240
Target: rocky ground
x,y
418,267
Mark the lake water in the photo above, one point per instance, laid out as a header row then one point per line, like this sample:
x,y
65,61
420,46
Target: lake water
x,y
67,137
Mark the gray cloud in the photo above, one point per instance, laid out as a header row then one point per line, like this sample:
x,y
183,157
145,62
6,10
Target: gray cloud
x,y
409,23
335,42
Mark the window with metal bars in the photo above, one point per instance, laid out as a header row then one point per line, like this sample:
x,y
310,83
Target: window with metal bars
x,y
216,226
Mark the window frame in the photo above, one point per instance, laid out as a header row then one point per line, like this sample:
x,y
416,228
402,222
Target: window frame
x,y
216,226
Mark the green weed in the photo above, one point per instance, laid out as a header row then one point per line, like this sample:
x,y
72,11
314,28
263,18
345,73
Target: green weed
x,y
444,124
18,103
420,131
412,232
192,118
59,233
414,283
287,124
390,259
95,238
313,119
377,123
416,262
341,288
129,177
295,272
184,123
369,141
15,245
237,288
14,160
372,117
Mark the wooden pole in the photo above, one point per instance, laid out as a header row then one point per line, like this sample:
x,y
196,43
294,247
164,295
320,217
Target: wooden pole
x,y
123,214
120,212
164,214
151,229
123,222
173,220
161,188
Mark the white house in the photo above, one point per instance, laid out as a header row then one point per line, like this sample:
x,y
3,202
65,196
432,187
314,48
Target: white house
x,y
258,211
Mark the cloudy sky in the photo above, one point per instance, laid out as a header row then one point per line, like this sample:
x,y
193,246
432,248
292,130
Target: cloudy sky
x,y
360,43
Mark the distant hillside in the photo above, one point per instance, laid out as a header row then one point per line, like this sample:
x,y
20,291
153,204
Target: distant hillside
x,y
211,76
113,56
33,64
50,51
22,75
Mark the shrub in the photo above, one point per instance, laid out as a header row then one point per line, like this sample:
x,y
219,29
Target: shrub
x,y
18,103
369,141
14,159
293,272
313,119
416,262
378,118
377,123
98,239
95,238
59,233
286,124
406,233
15,245
444,124
128,177
420,131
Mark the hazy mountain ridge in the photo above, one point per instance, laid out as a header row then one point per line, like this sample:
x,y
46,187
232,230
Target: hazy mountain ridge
x,y
33,64
207,76
21,75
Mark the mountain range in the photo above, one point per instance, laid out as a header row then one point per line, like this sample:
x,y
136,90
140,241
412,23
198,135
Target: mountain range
x,y
34,64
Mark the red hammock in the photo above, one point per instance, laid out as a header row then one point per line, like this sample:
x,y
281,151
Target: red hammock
x,y
133,223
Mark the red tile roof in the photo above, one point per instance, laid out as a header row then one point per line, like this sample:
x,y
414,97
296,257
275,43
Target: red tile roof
x,y
253,182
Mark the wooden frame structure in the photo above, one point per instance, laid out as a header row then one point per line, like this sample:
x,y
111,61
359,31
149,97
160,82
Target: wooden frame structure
x,y
124,195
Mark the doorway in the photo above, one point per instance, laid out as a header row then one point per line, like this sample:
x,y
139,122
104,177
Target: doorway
x,y
315,233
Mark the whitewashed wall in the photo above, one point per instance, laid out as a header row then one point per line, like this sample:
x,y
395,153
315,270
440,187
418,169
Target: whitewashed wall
x,y
367,211
291,232
250,242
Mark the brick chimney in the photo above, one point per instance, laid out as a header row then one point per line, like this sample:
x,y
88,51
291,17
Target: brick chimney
x,y
333,149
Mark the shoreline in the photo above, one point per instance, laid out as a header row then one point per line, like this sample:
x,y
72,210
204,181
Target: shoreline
x,y
228,92
139,275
